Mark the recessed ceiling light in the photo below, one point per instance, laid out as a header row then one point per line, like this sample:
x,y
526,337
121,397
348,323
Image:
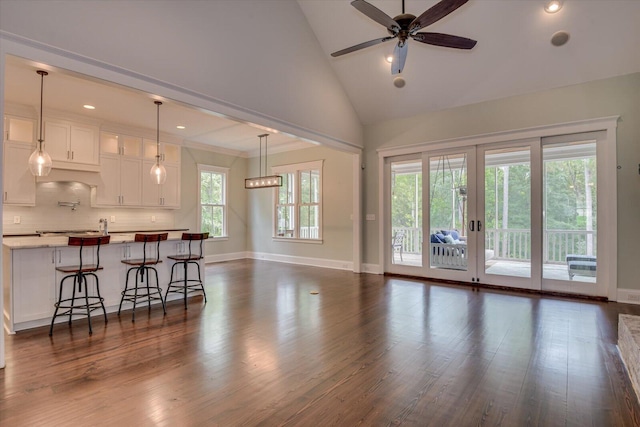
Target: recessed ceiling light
x,y
553,6
389,59
89,107
180,127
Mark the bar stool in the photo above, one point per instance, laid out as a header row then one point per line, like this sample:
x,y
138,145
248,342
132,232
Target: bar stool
x,y
80,273
186,285
142,267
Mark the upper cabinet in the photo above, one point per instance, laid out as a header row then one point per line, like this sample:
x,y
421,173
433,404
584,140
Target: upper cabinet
x,y
19,130
18,144
120,171
125,163
169,153
72,145
166,195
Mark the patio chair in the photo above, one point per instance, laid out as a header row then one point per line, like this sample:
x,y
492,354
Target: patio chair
x,y
397,243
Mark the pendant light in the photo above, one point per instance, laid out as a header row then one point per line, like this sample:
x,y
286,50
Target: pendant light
x,y
263,181
158,172
40,160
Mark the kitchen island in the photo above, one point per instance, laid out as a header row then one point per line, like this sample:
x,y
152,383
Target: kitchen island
x,y
31,282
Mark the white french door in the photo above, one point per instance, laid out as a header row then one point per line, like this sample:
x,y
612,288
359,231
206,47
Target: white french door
x,y
450,227
507,207
521,214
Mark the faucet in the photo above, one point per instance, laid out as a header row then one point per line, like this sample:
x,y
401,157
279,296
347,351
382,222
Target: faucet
x,y
104,226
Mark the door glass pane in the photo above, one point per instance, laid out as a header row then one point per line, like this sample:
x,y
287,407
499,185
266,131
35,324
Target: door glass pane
x,y
507,212
570,207
406,213
448,212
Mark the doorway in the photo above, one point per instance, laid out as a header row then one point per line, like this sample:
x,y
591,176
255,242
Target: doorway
x,y
521,213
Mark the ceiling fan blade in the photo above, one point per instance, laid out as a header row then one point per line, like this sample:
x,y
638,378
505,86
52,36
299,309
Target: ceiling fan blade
x,y
445,40
376,14
399,57
435,13
361,46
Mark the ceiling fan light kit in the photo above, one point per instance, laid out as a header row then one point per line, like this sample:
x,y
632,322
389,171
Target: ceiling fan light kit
x,y
559,38
406,26
399,82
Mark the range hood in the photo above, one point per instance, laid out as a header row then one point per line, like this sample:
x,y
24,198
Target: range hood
x,y
91,179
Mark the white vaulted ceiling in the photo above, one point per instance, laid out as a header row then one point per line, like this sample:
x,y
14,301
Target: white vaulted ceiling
x,y
513,55
278,61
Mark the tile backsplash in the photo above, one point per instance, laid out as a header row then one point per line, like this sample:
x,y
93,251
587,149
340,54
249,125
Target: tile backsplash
x,y
47,215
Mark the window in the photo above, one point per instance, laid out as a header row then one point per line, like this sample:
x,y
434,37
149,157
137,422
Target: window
x,y
298,206
213,200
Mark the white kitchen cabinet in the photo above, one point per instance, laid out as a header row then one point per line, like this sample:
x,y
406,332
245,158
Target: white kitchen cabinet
x,y
72,145
169,153
30,293
19,129
112,283
120,171
33,288
113,256
19,184
166,195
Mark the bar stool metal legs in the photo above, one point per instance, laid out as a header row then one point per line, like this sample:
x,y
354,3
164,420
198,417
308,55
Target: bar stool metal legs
x,y
80,273
142,269
185,285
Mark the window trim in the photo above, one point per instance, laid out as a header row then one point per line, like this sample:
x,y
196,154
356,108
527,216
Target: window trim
x,y
225,193
296,168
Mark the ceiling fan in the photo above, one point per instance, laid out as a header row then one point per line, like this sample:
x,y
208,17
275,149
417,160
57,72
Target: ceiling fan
x,y
406,25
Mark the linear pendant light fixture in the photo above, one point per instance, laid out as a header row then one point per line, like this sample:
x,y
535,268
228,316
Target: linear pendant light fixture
x,y
158,171
263,181
40,161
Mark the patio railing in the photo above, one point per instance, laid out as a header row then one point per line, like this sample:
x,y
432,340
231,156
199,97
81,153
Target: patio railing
x,y
515,244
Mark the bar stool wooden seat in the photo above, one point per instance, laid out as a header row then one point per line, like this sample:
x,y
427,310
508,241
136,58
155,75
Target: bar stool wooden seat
x,y
86,301
186,285
141,290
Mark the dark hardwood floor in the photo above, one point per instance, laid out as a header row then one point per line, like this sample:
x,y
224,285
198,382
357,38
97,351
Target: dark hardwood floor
x,y
366,350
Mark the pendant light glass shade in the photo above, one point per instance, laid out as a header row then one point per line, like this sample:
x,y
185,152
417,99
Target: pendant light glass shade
x,y
40,161
158,172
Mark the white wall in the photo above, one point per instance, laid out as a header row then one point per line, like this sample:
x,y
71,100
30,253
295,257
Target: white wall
x,y
337,191
187,217
602,98
229,51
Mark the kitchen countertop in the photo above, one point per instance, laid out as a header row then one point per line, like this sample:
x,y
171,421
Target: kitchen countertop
x,y
35,241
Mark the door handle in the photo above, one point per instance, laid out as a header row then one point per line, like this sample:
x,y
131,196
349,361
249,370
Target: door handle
x,y
472,225
479,225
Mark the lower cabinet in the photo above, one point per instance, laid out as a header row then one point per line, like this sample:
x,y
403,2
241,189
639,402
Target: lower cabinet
x,y
33,288
30,293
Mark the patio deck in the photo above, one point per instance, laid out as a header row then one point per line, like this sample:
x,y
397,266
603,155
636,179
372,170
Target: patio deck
x,y
507,268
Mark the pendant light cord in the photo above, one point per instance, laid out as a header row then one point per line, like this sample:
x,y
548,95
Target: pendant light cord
x,y
42,74
158,103
264,135
266,141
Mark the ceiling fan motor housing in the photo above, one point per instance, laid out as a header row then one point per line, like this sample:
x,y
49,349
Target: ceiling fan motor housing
x,y
404,21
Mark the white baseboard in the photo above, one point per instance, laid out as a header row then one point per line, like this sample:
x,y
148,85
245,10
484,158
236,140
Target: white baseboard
x,y
372,269
315,262
225,257
629,296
